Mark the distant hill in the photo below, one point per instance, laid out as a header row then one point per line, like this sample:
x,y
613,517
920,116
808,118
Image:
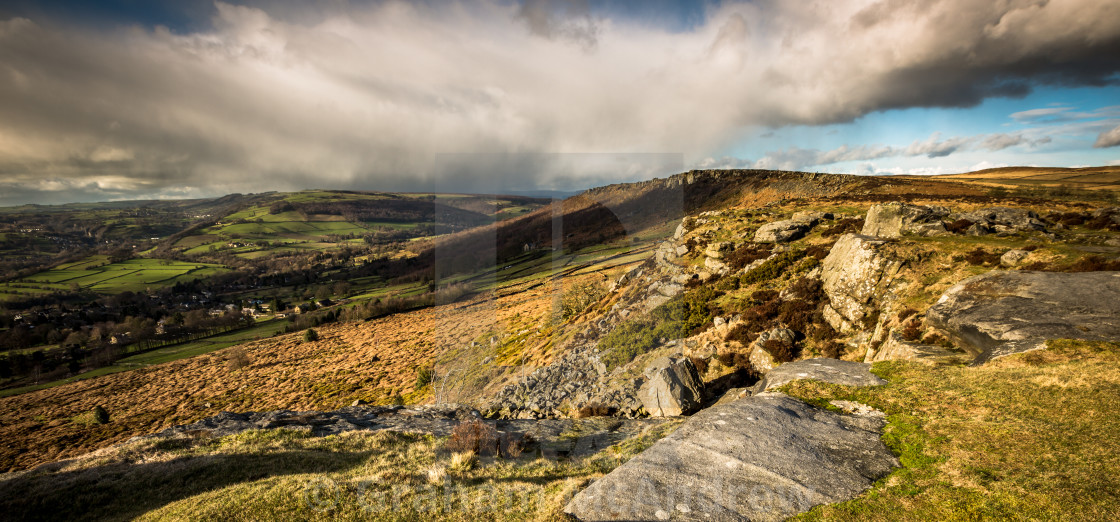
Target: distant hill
x,y
1086,178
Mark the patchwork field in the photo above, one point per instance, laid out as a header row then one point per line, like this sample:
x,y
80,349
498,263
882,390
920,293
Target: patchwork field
x,y
316,220
97,274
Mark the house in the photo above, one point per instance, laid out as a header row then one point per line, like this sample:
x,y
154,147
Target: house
x,y
120,339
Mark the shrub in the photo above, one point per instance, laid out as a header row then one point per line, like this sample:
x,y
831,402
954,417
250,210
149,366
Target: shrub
x,y
831,349
796,314
512,445
844,226
1102,221
818,252
807,288
746,254
738,360
594,409
763,296
310,335
906,313
781,351
742,334
1040,266
1069,219
424,376
979,256
958,226
237,359
681,316
474,436
938,339
629,339
1094,263
100,416
701,364
759,317
912,331
772,268
579,298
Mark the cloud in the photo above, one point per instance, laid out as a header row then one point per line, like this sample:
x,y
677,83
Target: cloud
x,y
1109,138
368,95
795,158
561,19
724,162
1044,114
984,165
935,148
1000,141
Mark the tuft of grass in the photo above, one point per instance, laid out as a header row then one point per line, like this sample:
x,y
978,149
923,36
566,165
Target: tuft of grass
x,y
1029,436
463,462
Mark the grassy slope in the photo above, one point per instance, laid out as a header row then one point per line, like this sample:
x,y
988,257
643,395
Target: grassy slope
x,y
286,475
1030,436
168,354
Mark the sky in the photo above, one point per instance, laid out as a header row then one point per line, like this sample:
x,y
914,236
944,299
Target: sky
x,y
132,99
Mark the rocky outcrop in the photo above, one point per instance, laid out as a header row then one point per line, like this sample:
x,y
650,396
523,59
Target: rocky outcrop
x,y
719,249
688,223
891,220
672,387
1110,213
574,380
1013,257
1001,313
667,254
834,371
854,275
782,231
765,457
895,348
1002,220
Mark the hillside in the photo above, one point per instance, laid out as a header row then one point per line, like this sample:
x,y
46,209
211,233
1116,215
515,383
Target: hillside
x,y
566,312
214,265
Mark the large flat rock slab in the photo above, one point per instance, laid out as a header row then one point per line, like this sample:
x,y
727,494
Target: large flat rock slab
x,y
835,371
764,457
1001,313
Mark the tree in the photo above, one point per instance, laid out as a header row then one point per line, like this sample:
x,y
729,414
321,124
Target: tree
x,y
311,335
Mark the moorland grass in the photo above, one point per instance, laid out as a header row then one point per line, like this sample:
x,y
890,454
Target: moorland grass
x,y
289,475
1027,437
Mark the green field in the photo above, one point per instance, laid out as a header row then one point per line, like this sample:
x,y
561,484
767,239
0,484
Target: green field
x,y
256,231
97,274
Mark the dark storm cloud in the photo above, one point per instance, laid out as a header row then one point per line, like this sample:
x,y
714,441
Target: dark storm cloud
x,y
278,96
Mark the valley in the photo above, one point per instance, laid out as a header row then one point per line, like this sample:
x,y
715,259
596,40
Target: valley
x,y
566,314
